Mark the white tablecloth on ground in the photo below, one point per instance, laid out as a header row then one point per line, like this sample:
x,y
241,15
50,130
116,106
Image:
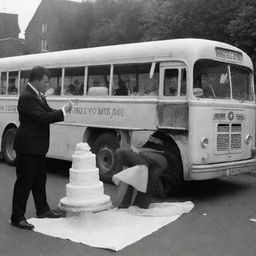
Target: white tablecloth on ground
x,y
112,229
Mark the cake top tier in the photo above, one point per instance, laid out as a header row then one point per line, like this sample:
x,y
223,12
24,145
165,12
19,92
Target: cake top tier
x,y
82,148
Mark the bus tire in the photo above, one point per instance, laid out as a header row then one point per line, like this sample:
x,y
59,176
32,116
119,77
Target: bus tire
x,y
175,179
172,177
104,148
8,152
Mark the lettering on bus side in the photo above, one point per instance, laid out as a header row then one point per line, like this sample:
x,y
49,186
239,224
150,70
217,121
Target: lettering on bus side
x,y
99,111
8,109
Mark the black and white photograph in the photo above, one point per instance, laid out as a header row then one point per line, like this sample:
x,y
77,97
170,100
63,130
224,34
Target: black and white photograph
x,y
127,127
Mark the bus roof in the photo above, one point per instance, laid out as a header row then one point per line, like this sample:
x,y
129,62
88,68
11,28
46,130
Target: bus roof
x,y
188,50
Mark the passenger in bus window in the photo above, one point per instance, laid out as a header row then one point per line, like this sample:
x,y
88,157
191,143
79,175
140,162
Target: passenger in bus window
x,y
150,90
171,82
31,146
122,89
74,88
12,89
3,88
97,89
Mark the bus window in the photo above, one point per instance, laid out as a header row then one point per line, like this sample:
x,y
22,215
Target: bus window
x,y
133,79
98,80
3,83
24,75
183,84
74,81
241,83
171,82
211,80
13,83
55,81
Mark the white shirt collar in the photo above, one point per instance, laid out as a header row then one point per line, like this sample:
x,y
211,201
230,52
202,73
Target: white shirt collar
x,y
34,89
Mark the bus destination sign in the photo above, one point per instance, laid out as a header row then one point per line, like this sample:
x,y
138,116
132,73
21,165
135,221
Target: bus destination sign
x,y
230,55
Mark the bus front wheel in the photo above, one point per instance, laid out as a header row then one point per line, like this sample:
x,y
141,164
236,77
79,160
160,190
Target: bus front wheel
x,y
104,147
8,152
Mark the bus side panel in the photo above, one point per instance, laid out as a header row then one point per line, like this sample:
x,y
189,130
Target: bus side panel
x,y
64,138
118,114
173,115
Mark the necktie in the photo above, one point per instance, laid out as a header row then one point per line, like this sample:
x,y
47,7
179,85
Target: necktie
x,y
41,97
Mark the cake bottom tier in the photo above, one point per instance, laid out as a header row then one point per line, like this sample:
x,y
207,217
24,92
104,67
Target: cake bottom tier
x,y
101,204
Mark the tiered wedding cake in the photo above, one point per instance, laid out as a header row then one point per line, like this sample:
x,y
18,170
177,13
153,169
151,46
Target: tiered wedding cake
x,y
85,191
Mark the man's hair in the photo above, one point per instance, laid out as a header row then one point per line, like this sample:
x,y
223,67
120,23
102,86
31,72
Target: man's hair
x,y
37,73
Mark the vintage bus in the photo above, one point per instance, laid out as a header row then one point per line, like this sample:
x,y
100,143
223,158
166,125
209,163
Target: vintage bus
x,y
200,92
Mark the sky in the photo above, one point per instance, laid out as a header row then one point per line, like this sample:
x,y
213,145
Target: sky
x,y
24,8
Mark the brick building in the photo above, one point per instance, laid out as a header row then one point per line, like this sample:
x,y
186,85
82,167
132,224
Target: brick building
x,y
53,26
10,44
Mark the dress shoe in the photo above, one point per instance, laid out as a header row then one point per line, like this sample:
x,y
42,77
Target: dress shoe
x,y
23,224
50,214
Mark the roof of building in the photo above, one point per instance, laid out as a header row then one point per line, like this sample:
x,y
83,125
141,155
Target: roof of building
x,y
9,25
53,5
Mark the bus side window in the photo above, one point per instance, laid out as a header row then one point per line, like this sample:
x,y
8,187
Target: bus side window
x,y
98,80
74,81
24,75
183,84
13,83
55,82
134,80
123,80
171,82
3,83
148,86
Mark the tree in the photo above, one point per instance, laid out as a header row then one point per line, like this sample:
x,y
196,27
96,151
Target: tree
x,y
188,18
242,29
118,22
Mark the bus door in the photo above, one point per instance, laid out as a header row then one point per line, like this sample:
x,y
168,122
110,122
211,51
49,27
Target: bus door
x,y
173,105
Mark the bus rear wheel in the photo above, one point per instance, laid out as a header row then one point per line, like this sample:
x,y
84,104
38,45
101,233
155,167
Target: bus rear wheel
x,y
104,147
8,152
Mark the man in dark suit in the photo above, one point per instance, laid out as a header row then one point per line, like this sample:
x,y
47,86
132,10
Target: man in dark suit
x,y
31,145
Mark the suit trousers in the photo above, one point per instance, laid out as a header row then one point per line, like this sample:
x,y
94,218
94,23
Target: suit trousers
x,y
31,176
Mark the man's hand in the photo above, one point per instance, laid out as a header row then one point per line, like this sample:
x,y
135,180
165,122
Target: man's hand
x,y
68,107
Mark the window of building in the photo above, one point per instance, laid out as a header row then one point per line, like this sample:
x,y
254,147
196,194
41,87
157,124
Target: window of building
x,y
74,81
44,45
98,80
44,28
13,83
135,80
171,82
3,83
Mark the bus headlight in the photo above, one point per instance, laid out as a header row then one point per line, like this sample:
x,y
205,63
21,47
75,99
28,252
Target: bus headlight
x,y
204,142
248,139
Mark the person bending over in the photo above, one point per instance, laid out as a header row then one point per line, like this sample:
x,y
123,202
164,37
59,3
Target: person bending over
x,y
157,157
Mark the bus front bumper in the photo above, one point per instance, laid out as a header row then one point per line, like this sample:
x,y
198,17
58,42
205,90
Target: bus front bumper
x,y
211,171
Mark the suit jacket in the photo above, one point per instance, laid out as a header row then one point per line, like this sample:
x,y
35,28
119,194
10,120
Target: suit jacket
x,y
35,115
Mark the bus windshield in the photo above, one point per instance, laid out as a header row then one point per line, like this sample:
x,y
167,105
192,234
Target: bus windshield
x,y
219,80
